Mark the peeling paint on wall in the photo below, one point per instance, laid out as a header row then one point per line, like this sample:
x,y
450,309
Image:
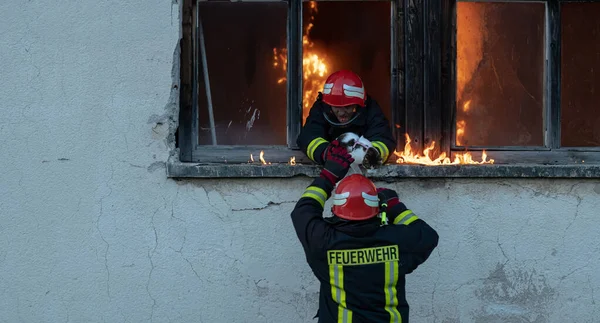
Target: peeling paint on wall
x,y
514,296
165,126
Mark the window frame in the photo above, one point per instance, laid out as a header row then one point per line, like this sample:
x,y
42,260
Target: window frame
x,y
187,137
552,152
190,151
423,83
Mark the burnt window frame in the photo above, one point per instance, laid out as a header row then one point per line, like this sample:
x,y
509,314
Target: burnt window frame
x,y
438,116
187,136
423,83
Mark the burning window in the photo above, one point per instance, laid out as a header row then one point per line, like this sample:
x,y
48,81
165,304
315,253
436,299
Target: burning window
x,y
335,36
500,74
350,35
245,45
580,72
507,71
247,105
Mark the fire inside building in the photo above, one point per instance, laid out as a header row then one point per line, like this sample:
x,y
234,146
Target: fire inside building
x,y
474,82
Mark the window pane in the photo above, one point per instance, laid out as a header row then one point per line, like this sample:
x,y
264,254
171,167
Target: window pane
x,y
580,72
500,72
249,108
347,35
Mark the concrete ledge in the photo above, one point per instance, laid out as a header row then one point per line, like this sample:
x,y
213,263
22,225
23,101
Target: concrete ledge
x,y
489,171
239,170
176,169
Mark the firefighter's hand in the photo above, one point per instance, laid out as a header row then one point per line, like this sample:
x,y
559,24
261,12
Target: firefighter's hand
x,y
325,152
387,197
372,158
337,164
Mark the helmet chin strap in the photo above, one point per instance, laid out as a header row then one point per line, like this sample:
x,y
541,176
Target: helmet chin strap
x,y
356,114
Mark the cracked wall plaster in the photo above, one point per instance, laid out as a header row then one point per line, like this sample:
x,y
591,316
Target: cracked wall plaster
x,y
91,230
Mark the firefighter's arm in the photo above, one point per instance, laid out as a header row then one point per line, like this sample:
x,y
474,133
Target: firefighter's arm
x,y
415,238
414,235
379,131
312,139
417,242
307,215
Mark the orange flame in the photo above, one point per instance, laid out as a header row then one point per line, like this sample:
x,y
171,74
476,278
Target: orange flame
x,y
408,156
314,66
262,159
470,35
280,59
467,106
460,131
251,158
293,160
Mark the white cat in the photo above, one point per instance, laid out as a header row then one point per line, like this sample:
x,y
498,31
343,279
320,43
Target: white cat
x,y
357,147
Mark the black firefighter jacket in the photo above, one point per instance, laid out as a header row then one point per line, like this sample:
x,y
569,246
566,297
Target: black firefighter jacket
x,y
361,266
371,123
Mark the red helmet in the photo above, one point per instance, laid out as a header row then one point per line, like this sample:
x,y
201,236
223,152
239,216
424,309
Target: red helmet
x,y
344,88
355,198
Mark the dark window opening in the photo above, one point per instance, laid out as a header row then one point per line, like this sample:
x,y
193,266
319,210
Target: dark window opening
x,y
248,106
500,74
580,72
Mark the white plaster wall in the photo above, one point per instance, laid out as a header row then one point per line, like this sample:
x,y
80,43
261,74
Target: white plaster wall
x,y
91,230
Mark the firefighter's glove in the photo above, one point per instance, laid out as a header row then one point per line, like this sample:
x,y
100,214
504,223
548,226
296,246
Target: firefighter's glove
x,y
372,158
387,198
337,164
325,153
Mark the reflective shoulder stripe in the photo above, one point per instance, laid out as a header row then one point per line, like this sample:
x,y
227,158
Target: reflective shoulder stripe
x,y
314,144
316,193
407,217
383,150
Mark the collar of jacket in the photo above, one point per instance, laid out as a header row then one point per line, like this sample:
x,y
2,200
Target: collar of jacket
x,y
355,228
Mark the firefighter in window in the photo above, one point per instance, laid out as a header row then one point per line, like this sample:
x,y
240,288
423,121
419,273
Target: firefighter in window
x,y
344,107
362,253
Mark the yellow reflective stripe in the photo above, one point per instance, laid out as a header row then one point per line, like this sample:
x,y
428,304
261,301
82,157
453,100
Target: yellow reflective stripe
x,y
383,150
411,220
316,193
391,294
336,280
407,217
315,197
317,190
314,144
